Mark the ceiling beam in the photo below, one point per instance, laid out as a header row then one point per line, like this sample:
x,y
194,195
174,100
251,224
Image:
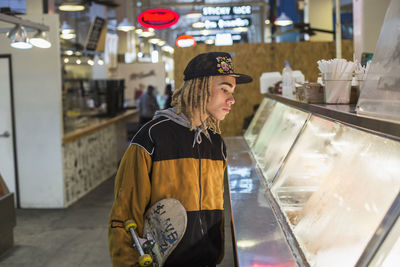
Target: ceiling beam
x,y
26,23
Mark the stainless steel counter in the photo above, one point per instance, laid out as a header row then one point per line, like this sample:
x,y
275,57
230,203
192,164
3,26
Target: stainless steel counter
x,y
258,236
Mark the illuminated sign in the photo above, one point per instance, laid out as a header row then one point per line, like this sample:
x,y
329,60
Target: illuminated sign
x,y
158,18
223,11
185,41
203,38
227,23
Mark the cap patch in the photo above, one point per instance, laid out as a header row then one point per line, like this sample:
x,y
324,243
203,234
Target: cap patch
x,y
224,65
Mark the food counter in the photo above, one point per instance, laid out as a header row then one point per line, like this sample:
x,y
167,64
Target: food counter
x,y
315,185
7,218
91,153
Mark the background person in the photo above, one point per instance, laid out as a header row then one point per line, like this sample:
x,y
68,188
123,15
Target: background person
x,y
147,105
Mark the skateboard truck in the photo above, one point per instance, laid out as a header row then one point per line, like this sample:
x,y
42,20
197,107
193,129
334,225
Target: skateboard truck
x,y
144,259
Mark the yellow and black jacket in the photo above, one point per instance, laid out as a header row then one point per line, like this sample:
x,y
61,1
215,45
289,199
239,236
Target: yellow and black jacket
x,y
167,160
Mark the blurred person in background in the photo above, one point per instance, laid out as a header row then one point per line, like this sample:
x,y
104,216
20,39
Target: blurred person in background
x,y
147,105
168,96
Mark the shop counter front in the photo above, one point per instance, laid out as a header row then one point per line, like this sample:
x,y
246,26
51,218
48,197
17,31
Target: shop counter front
x,y
91,154
315,185
7,218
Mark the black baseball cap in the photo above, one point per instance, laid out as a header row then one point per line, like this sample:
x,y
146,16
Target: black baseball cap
x,y
213,64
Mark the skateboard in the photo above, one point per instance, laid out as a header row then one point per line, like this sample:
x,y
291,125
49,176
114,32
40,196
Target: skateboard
x,y
164,226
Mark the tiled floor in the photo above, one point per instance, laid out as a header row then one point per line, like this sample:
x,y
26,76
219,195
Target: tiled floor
x,y
76,236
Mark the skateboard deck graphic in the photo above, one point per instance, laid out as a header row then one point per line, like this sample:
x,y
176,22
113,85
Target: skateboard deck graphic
x,y
164,226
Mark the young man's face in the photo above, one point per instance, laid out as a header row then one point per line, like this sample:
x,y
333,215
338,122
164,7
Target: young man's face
x,y
221,98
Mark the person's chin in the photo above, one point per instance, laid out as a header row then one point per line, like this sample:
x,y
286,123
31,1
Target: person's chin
x,y
222,116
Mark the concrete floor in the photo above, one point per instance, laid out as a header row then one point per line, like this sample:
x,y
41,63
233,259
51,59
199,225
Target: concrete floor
x,y
75,236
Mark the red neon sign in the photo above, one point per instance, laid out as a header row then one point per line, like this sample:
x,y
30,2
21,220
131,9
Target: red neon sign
x,y
158,18
185,41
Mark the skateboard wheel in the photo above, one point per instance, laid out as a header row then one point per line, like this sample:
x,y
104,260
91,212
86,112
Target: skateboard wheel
x,y
145,260
129,224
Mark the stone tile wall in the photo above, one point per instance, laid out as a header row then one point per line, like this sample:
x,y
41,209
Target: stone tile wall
x,y
91,159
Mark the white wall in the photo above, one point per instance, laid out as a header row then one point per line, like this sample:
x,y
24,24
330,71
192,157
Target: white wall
x,y
141,73
320,16
38,115
368,16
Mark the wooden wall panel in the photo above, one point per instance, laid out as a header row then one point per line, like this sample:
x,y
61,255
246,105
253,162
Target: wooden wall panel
x,y
255,59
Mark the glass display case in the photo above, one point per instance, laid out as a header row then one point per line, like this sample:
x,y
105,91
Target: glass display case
x,y
334,187
389,252
276,137
256,124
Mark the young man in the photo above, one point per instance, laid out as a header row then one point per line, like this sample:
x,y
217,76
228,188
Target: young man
x,y
180,154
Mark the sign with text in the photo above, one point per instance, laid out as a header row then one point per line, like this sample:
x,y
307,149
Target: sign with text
x,y
226,10
227,23
94,33
158,18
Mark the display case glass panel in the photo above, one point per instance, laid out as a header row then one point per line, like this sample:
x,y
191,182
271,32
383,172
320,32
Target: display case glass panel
x,y
261,116
388,254
335,187
276,138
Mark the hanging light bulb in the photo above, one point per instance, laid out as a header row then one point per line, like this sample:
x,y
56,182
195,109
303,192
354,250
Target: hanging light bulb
x,y
283,20
67,32
19,37
72,5
66,28
148,32
40,40
125,26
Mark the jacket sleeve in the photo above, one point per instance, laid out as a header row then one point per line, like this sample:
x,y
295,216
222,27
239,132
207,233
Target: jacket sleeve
x,y
131,196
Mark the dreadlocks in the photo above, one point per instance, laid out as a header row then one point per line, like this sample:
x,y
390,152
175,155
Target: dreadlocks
x,y
195,94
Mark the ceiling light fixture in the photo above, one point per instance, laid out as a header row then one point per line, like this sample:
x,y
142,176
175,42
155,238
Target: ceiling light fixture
x,y
125,26
198,25
72,5
66,28
149,32
67,36
205,32
193,15
161,43
40,40
19,37
168,49
283,20
18,34
154,40
240,29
